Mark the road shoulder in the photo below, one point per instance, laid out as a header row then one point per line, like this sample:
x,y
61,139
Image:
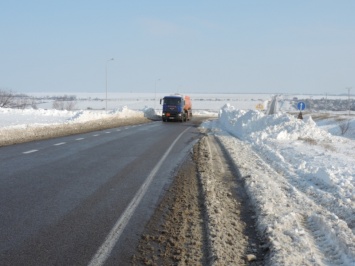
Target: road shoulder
x,y
205,218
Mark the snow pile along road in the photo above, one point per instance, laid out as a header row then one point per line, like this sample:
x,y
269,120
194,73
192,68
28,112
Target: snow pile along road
x,y
18,118
300,180
17,126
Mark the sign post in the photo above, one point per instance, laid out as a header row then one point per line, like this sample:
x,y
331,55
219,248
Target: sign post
x,y
301,106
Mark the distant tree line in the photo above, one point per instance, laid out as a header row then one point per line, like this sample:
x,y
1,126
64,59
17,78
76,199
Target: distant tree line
x,y
8,99
63,98
328,104
66,102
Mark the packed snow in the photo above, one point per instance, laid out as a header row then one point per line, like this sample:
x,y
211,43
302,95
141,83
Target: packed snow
x,y
300,174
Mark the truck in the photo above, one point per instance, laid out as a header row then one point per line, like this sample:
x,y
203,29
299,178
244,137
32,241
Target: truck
x,y
176,107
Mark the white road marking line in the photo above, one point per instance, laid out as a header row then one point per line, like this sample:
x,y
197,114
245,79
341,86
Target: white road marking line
x,y
107,132
95,135
31,151
60,143
118,130
104,251
80,138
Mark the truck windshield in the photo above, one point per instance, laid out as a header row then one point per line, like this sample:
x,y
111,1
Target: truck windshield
x,y
172,101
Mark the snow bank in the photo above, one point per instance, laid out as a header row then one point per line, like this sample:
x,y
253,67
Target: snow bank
x,y
256,126
19,126
123,112
15,118
301,180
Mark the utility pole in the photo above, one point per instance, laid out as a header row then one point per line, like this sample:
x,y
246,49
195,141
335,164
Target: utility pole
x,y
349,99
106,79
155,91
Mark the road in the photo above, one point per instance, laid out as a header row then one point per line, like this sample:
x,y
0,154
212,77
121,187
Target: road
x,y
84,199
273,106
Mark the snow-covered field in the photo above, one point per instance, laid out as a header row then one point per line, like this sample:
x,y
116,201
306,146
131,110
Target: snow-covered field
x,y
300,174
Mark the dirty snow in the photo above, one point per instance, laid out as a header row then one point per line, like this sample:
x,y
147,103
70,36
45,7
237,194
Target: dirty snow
x,y
299,175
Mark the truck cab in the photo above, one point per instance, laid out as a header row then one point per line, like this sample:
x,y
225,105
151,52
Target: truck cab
x,y
174,108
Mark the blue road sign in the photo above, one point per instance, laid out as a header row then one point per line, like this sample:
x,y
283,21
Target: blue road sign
x,y
301,106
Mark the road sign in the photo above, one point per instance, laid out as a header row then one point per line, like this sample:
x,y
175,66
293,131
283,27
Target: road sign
x,y
259,106
301,106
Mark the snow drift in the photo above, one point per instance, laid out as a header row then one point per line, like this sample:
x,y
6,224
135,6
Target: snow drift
x,y
300,179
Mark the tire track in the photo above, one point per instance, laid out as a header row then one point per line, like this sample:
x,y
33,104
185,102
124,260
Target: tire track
x,y
332,250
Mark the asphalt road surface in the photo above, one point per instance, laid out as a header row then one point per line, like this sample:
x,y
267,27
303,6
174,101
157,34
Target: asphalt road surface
x,y
272,109
84,199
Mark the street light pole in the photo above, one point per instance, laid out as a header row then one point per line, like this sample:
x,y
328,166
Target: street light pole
x,y
155,92
106,79
349,106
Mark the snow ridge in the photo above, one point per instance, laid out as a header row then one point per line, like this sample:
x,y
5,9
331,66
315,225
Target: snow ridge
x,y
301,182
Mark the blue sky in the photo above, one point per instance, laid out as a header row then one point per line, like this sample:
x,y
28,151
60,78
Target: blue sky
x,y
191,46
